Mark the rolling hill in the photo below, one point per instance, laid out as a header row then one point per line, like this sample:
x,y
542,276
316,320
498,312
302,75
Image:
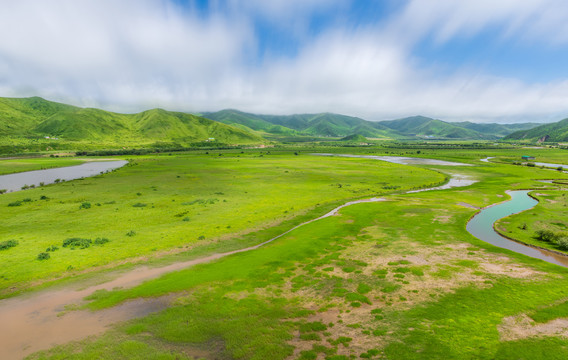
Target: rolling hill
x,y
554,132
496,129
323,124
422,126
39,117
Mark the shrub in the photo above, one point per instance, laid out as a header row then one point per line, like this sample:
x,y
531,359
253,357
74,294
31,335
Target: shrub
x,y
43,256
546,235
562,242
51,248
4,245
100,241
27,200
77,242
85,205
3,191
139,205
131,233
15,203
43,197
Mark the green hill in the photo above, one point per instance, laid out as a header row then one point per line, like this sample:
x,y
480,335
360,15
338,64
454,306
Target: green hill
x,y
323,124
422,126
496,129
248,121
19,115
427,127
38,117
354,138
554,132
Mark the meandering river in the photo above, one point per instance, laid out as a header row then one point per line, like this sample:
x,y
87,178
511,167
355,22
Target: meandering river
x,y
482,227
34,321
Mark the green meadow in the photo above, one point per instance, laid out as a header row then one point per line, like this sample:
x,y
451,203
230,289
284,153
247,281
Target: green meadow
x,y
18,165
396,279
165,204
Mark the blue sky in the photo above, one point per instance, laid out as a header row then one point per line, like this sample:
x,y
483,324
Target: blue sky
x,y
477,60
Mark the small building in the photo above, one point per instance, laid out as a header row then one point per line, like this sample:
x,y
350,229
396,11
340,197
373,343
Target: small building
x,y
527,157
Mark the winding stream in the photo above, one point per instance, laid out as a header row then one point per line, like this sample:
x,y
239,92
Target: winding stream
x,y
35,322
481,226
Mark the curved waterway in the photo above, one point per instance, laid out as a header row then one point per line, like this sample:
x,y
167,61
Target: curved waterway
x,y
14,182
403,160
35,321
481,226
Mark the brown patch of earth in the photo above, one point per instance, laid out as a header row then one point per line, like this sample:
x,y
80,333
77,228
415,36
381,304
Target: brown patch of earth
x,y
522,327
461,203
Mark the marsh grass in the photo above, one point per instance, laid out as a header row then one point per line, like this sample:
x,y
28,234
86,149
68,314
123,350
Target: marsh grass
x,y
255,196
447,306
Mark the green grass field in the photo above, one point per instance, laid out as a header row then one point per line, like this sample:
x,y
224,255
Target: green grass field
x,y
19,165
399,279
171,203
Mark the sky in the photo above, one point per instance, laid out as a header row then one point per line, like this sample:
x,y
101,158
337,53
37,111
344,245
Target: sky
x,y
479,60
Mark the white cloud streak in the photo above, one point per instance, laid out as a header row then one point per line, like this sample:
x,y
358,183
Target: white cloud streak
x,y
130,55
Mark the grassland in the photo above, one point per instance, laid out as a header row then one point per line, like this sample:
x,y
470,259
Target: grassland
x,y
161,204
399,279
18,165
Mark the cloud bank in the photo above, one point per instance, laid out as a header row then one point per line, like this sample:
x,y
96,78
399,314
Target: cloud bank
x,y
132,55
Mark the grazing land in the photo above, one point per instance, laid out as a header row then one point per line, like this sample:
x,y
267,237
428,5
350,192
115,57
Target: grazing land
x,y
395,279
163,204
18,165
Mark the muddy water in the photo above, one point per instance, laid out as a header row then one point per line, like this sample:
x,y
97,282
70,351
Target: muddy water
x,y
14,182
481,226
36,322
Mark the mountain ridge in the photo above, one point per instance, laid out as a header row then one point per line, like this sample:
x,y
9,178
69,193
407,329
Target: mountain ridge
x,y
39,117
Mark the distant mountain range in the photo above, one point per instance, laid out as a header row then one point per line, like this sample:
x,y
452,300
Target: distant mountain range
x,y
324,124
38,117
334,125
555,132
29,117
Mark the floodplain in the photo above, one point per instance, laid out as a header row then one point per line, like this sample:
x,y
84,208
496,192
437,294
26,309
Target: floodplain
x,y
399,278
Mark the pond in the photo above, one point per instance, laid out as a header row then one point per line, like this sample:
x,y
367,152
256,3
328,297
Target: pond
x,y
15,182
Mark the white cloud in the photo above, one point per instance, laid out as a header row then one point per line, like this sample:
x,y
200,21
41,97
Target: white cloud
x,y
130,55
532,20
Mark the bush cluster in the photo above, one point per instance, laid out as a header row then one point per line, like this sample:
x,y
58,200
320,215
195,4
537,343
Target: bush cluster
x,y
82,243
5,245
43,256
85,205
77,242
560,239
